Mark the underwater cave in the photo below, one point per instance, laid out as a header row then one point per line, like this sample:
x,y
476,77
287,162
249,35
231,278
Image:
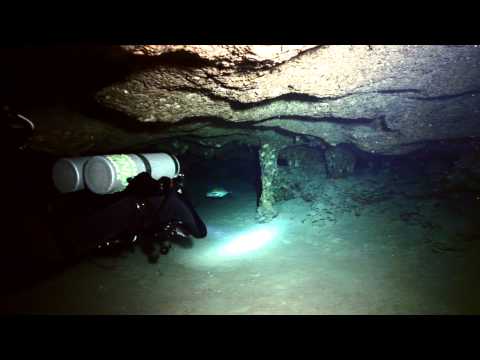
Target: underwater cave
x,y
241,179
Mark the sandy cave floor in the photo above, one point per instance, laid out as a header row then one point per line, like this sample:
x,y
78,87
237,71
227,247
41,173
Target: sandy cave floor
x,y
371,262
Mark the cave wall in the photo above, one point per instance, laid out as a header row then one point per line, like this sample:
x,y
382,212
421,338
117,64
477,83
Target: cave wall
x,y
384,100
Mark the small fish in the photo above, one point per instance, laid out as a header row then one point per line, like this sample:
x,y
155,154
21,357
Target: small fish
x,y
217,193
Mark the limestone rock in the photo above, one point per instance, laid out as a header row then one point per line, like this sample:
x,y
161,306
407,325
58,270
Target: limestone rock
x,y
384,99
268,164
340,162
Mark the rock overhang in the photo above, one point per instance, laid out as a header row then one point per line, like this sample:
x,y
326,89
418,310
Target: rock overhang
x,y
383,99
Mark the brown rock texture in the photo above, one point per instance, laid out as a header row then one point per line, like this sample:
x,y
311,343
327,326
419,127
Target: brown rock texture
x,y
268,164
384,99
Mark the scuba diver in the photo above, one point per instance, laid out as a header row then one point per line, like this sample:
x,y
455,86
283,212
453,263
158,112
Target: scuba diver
x,y
148,211
42,235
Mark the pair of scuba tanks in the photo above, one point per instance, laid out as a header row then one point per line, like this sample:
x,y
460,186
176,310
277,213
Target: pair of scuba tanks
x,y
107,174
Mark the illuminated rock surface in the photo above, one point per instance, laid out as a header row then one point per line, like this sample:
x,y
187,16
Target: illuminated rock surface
x,y
383,99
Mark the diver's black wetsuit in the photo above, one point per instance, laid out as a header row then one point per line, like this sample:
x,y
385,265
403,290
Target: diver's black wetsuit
x,y
146,206
77,222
